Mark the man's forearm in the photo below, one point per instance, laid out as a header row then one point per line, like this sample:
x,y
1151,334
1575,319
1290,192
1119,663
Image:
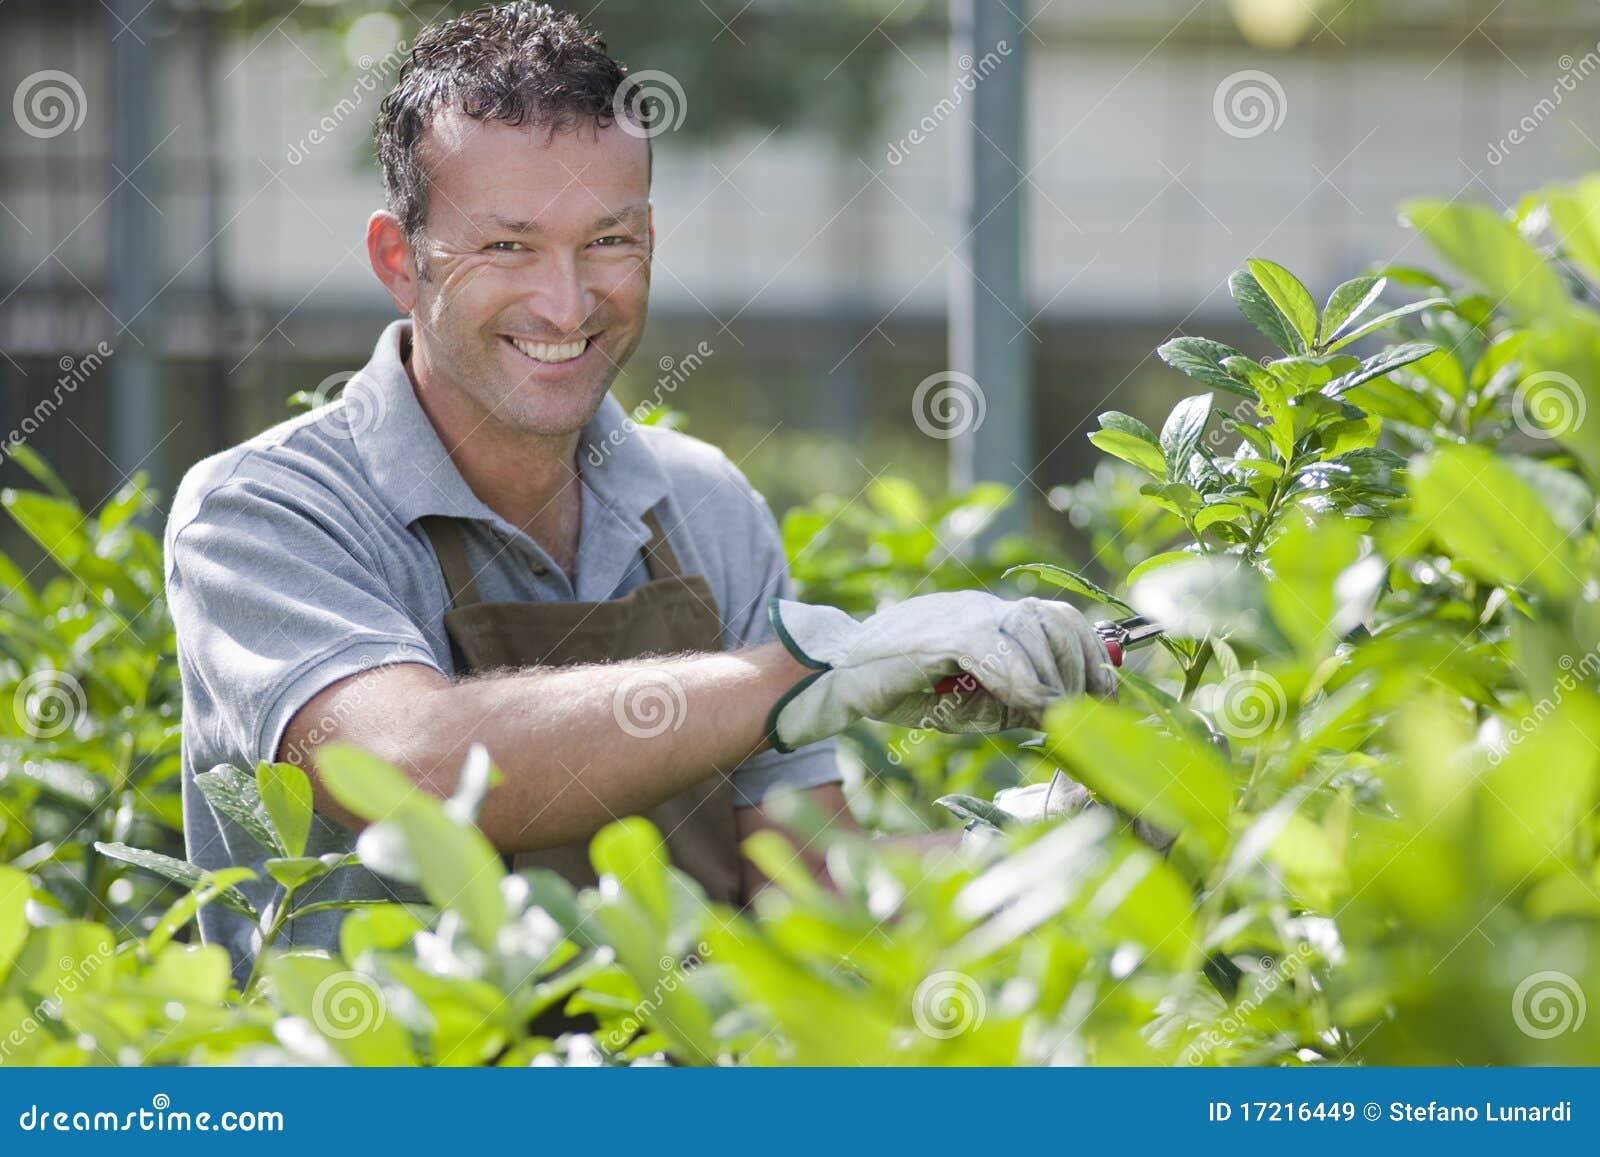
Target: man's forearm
x,y
577,746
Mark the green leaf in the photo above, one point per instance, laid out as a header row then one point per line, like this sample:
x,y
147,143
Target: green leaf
x,y
381,928
40,470
186,908
285,792
455,865
1207,518
1131,449
1386,319
1347,303
1259,310
1491,521
15,888
233,793
1291,298
55,524
362,782
1167,558
1178,497
631,852
179,872
293,871
1301,375
1116,420
1489,249
1201,358
1274,407
969,808
66,783
1182,432
347,1008
1171,782
1060,576
1575,216
1307,559
1380,364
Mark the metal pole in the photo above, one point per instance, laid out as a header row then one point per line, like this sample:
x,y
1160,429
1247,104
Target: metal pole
x,y
134,365
988,341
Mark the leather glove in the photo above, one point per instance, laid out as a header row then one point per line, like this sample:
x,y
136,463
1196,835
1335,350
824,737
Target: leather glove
x,y
1024,654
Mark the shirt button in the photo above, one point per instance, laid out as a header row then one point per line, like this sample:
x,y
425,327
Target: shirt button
x,y
538,568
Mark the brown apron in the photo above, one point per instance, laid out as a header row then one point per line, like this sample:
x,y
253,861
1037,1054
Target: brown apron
x,y
672,612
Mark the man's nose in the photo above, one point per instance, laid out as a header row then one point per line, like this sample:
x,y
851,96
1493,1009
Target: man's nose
x,y
562,300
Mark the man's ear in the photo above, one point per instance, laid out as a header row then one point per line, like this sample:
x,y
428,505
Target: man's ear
x,y
392,259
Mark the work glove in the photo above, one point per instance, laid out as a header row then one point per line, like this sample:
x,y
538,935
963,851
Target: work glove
x,y
1023,656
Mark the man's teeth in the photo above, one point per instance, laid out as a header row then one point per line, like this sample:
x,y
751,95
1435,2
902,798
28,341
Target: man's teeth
x,y
543,351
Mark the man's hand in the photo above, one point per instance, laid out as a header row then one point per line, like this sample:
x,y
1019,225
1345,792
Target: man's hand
x,y
1024,655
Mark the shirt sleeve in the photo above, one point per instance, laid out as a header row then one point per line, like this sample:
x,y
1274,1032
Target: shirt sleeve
x,y
751,584
272,603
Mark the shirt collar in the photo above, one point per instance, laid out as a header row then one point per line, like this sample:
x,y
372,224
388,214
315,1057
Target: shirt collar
x,y
411,470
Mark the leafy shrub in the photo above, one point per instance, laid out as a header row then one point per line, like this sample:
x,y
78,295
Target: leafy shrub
x,y
89,745
1352,798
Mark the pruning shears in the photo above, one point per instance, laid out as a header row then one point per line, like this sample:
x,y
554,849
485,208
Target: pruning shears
x,y
1118,635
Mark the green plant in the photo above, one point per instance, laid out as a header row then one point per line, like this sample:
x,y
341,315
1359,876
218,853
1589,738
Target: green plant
x,y
89,747
1355,798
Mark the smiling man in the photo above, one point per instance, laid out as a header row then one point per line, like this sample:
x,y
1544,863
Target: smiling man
x,y
436,559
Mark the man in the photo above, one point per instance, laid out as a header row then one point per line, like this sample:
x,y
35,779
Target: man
x,y
437,559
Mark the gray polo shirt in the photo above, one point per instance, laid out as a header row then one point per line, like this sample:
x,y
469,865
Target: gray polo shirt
x,y
294,560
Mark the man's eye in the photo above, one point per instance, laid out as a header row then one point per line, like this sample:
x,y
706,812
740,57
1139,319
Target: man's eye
x,y
504,246
612,241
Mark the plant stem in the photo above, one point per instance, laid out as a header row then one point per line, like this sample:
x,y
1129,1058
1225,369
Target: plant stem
x,y
1195,670
280,917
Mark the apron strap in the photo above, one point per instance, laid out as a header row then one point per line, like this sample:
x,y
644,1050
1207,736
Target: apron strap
x,y
451,548
659,558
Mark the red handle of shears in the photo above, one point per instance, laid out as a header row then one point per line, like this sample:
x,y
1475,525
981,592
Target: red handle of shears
x,y
951,684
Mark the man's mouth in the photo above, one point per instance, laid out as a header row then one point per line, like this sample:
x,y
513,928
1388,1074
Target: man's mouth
x,y
550,353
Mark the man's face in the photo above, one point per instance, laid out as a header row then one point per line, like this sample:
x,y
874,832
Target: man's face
x,y
534,266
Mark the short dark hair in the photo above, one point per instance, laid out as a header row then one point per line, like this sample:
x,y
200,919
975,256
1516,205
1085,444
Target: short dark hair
x,y
519,63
